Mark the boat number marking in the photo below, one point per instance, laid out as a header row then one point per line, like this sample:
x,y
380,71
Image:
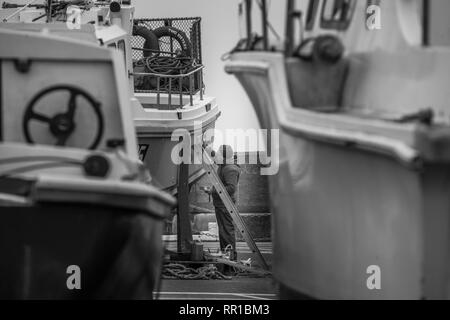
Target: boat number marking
x,y
143,148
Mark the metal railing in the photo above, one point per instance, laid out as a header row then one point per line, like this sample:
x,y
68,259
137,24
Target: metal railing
x,y
166,79
190,76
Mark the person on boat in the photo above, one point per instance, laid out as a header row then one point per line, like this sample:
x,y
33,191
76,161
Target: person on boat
x,y
229,172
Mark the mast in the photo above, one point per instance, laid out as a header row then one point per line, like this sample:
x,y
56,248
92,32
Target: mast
x,y
248,12
264,24
289,45
425,23
49,10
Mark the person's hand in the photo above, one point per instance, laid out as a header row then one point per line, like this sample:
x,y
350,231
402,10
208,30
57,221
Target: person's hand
x,y
207,190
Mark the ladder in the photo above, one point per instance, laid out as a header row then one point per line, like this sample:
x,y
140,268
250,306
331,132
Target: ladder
x,y
210,168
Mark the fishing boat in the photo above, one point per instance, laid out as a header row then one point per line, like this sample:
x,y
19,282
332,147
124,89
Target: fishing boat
x,y
164,97
360,203
80,216
169,99
168,102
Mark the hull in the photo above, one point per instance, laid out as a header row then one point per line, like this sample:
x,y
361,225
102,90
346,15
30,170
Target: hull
x,y
55,218
350,194
118,251
79,217
155,129
337,212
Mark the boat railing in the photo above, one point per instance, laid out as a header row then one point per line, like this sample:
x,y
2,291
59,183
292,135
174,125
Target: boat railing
x,y
166,84
171,68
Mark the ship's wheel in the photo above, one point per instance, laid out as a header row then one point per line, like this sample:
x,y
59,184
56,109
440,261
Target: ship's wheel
x,y
62,125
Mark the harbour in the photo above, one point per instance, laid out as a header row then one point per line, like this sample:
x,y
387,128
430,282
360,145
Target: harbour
x,y
210,150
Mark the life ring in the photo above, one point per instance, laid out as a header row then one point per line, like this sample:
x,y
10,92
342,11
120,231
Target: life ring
x,y
178,35
151,40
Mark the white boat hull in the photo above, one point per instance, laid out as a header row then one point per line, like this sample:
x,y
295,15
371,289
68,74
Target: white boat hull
x,y
345,199
158,135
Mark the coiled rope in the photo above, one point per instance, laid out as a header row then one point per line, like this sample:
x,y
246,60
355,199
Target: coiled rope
x,y
167,65
178,271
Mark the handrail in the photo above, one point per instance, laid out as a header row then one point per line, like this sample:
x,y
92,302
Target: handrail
x,y
175,77
168,75
295,121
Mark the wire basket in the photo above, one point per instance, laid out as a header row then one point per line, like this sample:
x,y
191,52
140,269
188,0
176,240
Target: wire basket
x,y
147,80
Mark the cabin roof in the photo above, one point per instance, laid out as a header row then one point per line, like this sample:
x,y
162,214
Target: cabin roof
x,y
85,33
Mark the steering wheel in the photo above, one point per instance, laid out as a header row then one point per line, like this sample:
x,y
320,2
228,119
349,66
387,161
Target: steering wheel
x,y
62,125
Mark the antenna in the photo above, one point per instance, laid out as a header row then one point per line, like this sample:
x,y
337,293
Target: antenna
x,y
290,12
49,10
426,23
264,24
248,12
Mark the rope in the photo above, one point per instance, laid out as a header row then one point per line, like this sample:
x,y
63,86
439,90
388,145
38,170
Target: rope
x,y
178,271
168,65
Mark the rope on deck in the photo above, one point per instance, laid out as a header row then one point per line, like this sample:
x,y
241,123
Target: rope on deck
x,y
178,271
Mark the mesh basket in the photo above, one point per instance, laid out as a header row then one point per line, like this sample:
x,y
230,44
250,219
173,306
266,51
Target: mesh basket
x,y
190,29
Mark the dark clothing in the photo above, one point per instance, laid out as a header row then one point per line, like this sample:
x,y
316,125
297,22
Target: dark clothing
x,y
226,230
229,175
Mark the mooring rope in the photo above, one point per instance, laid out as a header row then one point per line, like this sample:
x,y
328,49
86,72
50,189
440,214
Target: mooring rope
x,y
179,271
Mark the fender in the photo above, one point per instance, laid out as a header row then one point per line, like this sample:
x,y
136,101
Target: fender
x,y
178,35
151,40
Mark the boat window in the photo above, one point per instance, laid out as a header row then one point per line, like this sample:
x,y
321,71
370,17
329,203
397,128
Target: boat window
x,y
311,14
121,46
337,14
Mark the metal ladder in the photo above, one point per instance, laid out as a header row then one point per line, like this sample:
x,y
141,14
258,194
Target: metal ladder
x,y
210,168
